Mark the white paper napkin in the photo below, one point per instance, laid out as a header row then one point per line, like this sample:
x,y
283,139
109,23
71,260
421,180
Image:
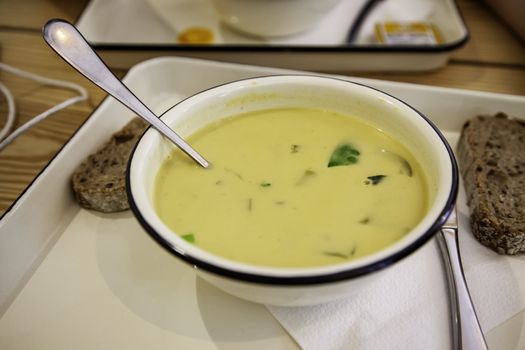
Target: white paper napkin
x,y
404,309
407,308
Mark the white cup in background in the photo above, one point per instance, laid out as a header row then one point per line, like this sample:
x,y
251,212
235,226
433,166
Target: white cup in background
x,y
272,17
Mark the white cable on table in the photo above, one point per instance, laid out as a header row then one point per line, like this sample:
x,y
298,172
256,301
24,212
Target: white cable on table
x,y
10,119
6,140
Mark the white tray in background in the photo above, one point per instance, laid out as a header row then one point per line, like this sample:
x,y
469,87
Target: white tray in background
x,y
71,278
127,32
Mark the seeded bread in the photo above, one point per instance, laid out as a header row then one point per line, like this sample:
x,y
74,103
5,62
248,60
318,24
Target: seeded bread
x,y
99,182
491,153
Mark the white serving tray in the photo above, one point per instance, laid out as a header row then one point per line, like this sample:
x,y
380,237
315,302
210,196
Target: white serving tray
x,y
127,32
71,278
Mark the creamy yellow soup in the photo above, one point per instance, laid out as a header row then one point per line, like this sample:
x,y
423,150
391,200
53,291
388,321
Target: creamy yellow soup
x,y
292,188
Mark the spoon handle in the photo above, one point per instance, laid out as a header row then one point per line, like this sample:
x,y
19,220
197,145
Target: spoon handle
x,y
67,41
467,334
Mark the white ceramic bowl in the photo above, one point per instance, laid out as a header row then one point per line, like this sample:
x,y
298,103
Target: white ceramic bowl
x,y
272,17
295,286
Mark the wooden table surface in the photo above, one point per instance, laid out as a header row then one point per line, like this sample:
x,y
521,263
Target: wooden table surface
x,y
493,60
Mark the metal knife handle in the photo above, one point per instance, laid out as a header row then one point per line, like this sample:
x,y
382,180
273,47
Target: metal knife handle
x,y
467,334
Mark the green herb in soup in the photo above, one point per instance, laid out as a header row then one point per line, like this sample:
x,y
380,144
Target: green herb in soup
x,y
345,255
190,237
375,179
344,154
270,198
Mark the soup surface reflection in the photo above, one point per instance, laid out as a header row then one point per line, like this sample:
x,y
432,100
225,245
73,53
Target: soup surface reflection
x,y
292,188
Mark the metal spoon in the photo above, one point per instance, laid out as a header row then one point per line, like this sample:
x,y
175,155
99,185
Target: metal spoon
x,y
67,41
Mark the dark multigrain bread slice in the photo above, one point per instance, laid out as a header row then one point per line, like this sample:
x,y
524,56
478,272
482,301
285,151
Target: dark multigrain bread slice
x,y
99,182
491,153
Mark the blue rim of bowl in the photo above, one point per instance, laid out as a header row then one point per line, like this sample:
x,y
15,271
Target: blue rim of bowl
x,y
314,279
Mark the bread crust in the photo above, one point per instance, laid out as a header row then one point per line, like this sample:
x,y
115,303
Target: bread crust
x,y
491,154
99,182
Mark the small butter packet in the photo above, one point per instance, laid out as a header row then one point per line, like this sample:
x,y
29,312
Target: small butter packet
x,y
407,33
